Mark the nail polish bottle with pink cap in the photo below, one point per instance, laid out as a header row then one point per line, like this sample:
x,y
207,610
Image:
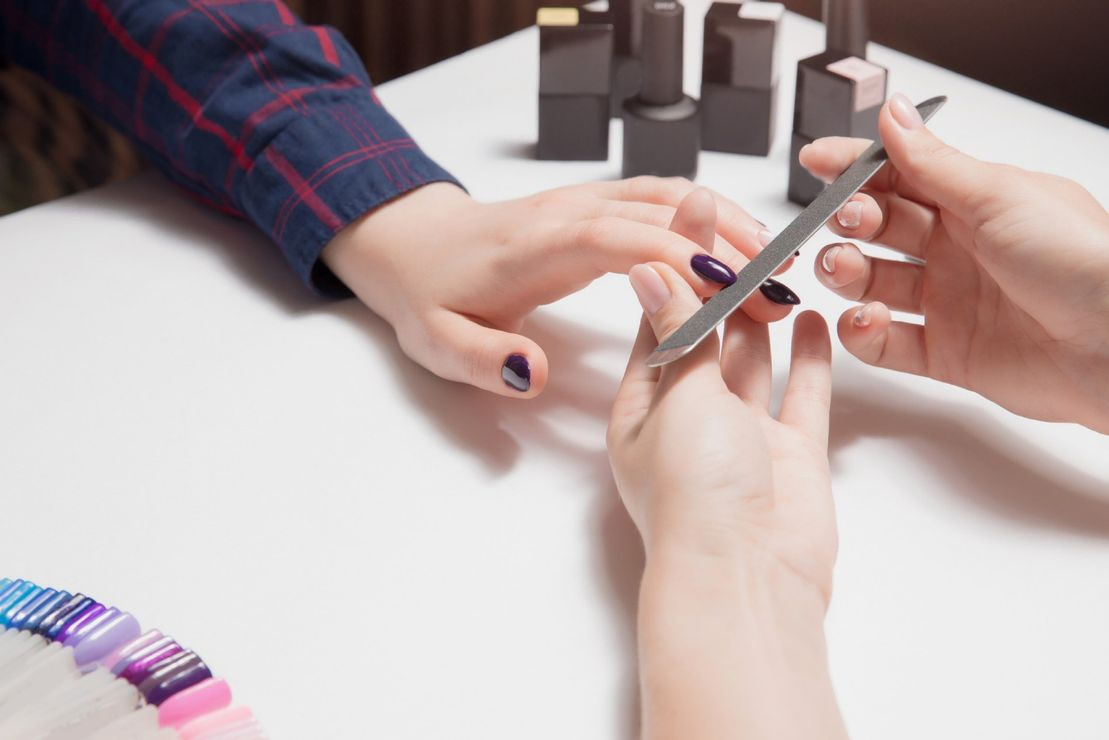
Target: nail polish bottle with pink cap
x,y
839,92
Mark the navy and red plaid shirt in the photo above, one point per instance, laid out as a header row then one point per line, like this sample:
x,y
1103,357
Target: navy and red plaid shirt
x,y
259,115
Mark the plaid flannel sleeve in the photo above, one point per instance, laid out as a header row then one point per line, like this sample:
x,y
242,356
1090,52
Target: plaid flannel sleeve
x,y
257,114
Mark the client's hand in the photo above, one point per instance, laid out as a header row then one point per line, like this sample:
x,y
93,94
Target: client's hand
x,y
1014,289
457,278
735,509
699,460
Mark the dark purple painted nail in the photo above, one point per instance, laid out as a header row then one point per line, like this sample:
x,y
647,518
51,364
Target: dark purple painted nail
x,y
778,293
516,373
712,269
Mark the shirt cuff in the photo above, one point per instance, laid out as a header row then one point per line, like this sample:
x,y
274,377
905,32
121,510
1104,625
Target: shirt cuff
x,y
326,170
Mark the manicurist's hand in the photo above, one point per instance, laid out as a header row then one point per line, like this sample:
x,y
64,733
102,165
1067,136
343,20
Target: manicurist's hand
x,y
456,278
735,510
1014,289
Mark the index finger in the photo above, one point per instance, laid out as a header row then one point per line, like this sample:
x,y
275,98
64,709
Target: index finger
x,y
829,157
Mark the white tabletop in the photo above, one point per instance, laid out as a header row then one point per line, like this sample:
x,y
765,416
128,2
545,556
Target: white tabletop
x,y
364,550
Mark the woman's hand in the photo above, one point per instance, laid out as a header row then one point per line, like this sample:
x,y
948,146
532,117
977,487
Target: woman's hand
x,y
457,278
699,461
736,514
1014,289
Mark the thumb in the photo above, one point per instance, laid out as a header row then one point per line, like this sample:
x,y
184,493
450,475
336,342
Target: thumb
x,y
459,349
935,169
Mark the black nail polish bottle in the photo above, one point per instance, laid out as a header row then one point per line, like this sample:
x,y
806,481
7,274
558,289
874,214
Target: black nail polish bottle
x,y
739,78
662,127
839,93
627,71
574,45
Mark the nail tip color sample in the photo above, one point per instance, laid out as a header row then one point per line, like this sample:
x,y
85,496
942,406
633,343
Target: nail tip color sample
x,y
86,667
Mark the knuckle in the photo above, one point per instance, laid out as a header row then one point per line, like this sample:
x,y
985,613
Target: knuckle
x,y
588,234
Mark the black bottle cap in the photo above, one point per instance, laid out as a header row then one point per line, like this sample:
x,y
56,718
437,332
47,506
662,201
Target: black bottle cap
x,y
845,26
575,52
662,50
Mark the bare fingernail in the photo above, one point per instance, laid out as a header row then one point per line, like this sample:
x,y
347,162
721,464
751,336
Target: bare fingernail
x,y
851,215
828,261
862,317
765,237
905,113
649,287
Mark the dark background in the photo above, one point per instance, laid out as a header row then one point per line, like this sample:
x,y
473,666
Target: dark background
x,y
1052,51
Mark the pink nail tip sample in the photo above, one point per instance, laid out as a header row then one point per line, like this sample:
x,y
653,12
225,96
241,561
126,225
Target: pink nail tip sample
x,y
196,701
105,650
218,721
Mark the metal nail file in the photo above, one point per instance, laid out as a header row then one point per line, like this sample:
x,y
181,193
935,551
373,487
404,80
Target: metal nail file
x,y
811,220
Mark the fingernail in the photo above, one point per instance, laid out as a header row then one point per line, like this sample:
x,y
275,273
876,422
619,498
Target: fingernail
x,y
516,373
851,215
778,293
649,287
712,269
765,237
828,261
905,113
862,317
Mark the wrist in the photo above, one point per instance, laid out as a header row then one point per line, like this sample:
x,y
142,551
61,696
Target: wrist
x,y
728,647
368,254
749,576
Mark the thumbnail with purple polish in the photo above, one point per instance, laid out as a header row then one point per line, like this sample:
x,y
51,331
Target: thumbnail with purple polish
x,y
778,293
516,373
712,269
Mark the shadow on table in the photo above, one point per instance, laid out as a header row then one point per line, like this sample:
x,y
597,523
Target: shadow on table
x,y
496,429
976,458
480,422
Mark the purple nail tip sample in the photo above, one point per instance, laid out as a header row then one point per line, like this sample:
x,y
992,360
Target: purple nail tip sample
x,y
185,676
74,612
141,669
121,629
85,616
130,651
516,373
712,269
53,621
88,626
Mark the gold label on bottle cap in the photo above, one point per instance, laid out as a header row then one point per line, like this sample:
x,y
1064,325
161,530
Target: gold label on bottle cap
x,y
557,17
